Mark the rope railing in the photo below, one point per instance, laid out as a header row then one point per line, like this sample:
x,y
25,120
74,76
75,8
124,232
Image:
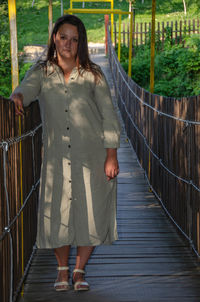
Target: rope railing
x,y
189,182
17,235
165,134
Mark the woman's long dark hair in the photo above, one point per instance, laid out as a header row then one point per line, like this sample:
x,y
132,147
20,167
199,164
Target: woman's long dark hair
x,y
82,53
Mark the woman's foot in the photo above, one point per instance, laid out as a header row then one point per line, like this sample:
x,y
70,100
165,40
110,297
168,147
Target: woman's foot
x,y
79,281
61,283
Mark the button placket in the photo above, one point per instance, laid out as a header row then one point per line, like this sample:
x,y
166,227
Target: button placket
x,y
69,144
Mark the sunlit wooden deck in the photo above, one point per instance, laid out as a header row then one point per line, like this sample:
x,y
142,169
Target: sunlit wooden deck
x,y
149,263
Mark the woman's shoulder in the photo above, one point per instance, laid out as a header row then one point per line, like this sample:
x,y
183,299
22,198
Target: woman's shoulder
x,y
35,68
94,74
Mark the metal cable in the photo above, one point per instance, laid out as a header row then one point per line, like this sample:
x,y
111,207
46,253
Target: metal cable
x,y
160,160
24,275
164,207
13,140
8,227
5,145
189,182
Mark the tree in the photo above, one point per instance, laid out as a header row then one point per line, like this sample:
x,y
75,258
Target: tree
x,y
185,9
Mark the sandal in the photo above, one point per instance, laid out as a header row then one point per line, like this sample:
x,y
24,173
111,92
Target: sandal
x,y
80,285
62,285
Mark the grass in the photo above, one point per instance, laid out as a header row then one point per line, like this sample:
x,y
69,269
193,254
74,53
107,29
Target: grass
x,y
32,22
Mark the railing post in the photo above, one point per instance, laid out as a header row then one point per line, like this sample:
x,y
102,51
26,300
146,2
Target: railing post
x,y
106,19
152,46
112,19
61,7
50,18
133,34
130,45
119,38
13,43
189,209
198,232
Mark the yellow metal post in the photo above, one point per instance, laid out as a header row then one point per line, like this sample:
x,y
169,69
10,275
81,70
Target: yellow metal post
x,y
152,73
119,38
13,43
112,20
108,11
50,18
111,7
15,83
130,45
152,46
71,6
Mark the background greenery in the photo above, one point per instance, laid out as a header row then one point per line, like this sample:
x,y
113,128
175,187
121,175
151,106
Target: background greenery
x,y
32,25
177,68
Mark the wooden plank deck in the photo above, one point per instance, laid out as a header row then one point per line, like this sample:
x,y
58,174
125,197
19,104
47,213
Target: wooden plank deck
x,y
149,263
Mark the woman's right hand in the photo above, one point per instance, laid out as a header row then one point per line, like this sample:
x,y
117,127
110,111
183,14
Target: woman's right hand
x,y
17,98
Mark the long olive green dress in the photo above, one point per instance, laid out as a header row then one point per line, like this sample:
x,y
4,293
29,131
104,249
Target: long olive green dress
x,y
77,205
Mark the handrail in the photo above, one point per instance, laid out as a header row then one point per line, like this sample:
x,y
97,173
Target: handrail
x,y
173,142
11,227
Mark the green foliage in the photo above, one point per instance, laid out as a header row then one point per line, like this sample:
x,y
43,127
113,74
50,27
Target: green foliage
x,y
177,68
32,27
24,67
5,59
5,63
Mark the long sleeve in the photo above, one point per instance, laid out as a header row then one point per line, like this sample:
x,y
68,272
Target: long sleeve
x,y
31,85
111,126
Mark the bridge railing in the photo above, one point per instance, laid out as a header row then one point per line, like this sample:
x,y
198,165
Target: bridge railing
x,y
165,134
20,161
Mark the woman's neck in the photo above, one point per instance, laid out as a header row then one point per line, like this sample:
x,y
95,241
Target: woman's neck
x,y
67,66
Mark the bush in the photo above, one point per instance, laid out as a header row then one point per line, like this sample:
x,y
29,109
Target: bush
x,y
5,59
177,68
5,62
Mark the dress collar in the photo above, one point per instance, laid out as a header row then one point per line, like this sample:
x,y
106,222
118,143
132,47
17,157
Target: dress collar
x,y
53,68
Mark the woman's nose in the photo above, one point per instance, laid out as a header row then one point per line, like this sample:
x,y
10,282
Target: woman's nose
x,y
68,42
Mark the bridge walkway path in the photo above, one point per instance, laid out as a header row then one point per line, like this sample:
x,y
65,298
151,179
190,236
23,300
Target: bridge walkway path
x,y
149,263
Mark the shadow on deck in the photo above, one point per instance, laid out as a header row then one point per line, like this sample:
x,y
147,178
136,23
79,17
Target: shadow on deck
x,y
149,263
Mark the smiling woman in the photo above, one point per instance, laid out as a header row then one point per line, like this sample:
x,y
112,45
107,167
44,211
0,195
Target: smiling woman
x,y
80,137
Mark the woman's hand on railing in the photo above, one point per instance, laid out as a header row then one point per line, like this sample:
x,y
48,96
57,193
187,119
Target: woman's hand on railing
x,y
17,98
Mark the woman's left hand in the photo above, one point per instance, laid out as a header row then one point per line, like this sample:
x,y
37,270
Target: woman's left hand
x,y
111,166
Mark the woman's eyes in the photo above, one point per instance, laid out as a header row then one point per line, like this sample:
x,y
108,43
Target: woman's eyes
x,y
65,38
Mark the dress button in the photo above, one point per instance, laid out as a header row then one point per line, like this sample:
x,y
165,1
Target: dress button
x,y
66,110
65,90
69,146
70,199
67,128
69,164
70,181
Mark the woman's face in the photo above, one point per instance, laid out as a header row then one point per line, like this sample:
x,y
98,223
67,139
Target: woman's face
x,y
66,42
